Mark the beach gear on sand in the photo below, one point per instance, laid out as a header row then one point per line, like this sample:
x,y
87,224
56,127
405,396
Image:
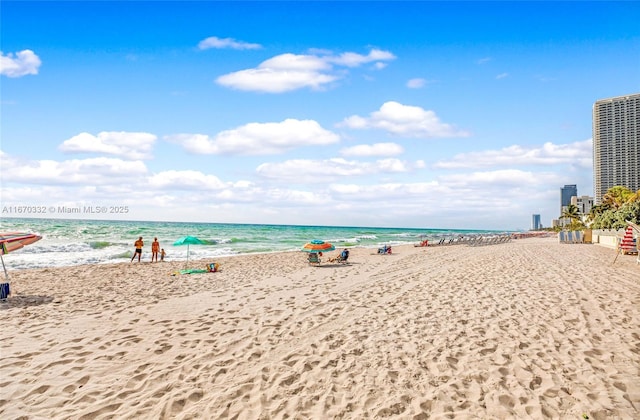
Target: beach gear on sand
x,y
211,268
313,258
627,245
190,271
5,290
637,229
188,240
9,242
385,250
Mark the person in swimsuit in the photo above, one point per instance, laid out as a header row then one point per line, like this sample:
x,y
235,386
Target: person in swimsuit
x,y
155,248
139,244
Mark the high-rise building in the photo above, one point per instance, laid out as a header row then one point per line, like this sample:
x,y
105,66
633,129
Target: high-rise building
x,y
566,193
535,222
616,144
583,203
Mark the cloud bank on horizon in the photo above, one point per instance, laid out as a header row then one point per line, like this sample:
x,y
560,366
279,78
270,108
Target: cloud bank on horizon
x,y
289,131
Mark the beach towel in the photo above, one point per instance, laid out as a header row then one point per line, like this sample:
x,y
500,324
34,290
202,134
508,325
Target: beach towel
x,y
211,268
189,271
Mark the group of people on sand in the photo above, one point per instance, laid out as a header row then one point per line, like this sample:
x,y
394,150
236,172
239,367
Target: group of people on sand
x,y
155,250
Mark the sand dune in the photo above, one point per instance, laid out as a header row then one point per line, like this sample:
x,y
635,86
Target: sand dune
x,y
526,329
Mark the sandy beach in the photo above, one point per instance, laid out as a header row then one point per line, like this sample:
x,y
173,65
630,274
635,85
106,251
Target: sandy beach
x,y
526,329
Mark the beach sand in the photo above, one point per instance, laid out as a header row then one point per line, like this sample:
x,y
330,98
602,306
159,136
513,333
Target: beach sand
x,y
526,329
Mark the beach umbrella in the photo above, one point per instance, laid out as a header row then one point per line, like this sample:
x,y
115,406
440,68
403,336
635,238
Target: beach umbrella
x,y
626,245
318,246
188,240
12,241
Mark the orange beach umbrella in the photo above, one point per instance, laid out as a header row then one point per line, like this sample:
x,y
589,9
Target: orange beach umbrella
x,y
318,246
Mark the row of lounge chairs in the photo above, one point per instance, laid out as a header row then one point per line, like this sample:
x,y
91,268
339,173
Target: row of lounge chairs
x,y
571,237
490,240
470,240
447,241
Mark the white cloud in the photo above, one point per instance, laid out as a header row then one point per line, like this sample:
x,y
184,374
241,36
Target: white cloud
x,y
215,42
350,59
495,195
186,180
129,145
95,171
502,76
377,149
19,64
484,60
416,83
320,171
287,72
275,81
578,153
498,179
258,138
404,120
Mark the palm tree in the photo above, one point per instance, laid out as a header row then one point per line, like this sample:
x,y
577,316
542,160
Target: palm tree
x,y
572,213
595,212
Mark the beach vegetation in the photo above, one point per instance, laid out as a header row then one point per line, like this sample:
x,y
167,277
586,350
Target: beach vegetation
x,y
572,214
619,205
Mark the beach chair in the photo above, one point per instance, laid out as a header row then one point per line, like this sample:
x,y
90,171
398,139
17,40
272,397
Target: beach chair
x,y
578,237
385,250
343,258
562,237
570,239
313,258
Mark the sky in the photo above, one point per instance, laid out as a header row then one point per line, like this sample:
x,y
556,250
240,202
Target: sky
x,y
421,114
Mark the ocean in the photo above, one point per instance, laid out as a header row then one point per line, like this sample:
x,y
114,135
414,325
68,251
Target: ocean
x,y
68,242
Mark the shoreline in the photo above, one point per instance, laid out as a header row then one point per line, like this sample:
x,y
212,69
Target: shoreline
x,y
528,328
72,243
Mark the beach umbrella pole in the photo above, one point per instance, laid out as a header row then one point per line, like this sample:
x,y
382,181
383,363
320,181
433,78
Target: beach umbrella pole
x,y
6,275
186,265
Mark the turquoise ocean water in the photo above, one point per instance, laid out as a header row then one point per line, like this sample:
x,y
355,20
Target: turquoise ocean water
x,y
73,242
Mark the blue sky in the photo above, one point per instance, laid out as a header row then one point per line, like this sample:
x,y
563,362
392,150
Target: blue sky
x,y
399,114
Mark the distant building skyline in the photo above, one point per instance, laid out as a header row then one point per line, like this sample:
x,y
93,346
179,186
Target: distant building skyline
x,y
566,193
616,144
535,222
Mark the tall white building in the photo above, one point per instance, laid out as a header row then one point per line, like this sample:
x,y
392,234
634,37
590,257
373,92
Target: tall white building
x,y
616,144
584,203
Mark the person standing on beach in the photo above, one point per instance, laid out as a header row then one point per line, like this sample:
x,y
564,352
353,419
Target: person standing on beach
x,y
139,244
155,248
